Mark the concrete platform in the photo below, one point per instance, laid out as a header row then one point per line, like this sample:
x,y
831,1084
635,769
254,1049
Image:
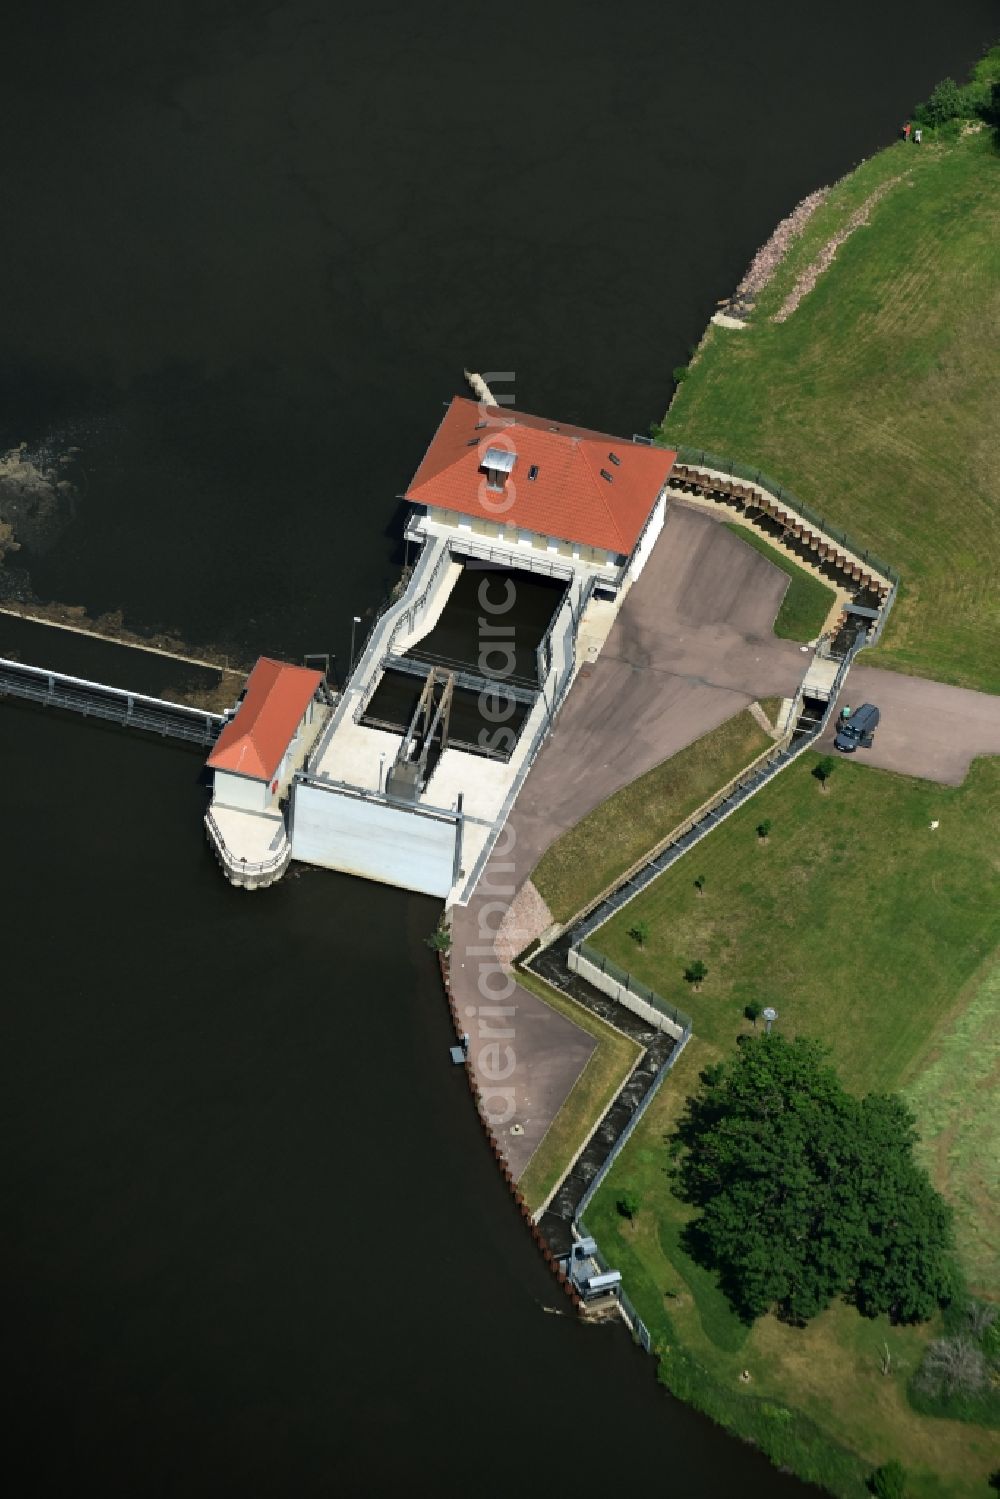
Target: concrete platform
x,y
927,729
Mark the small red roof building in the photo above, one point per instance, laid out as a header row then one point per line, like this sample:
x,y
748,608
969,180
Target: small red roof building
x,y
277,696
547,477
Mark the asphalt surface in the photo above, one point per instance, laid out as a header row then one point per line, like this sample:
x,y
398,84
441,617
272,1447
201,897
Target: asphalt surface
x,y
691,646
926,729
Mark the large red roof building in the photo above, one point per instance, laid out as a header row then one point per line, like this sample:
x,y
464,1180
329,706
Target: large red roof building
x,y
516,471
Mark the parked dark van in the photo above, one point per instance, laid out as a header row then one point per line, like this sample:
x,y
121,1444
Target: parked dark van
x,y
858,730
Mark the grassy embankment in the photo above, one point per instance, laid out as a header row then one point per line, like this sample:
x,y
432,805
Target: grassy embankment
x,y
617,833
610,1064
864,927
876,401
585,860
807,600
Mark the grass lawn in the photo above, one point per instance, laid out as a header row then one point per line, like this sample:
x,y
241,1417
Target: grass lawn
x,y
593,1090
807,600
816,1400
867,929
955,1098
855,920
876,401
618,832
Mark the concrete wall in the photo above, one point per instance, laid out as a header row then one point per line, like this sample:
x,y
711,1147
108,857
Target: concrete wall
x,y
608,985
239,791
363,836
648,538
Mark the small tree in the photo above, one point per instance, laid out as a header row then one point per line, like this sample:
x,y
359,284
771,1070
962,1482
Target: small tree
x,y
823,770
440,939
952,1366
695,974
639,932
889,1481
763,829
699,884
628,1205
752,1012
945,103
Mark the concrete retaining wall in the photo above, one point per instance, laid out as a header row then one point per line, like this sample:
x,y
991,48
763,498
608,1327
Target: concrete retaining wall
x,y
608,985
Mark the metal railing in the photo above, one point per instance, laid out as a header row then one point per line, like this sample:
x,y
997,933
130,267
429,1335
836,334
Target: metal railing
x,y
134,710
563,676
527,559
737,470
254,871
632,985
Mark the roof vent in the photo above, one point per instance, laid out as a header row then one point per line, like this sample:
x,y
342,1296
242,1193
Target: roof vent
x,y
501,460
615,460
605,475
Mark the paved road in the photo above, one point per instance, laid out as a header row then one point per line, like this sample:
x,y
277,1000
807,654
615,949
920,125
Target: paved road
x,y
927,729
691,647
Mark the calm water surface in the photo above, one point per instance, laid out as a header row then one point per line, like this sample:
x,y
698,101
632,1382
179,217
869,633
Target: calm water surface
x,y
253,1243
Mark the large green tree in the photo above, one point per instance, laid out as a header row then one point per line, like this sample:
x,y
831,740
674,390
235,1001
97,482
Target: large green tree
x,y
806,1193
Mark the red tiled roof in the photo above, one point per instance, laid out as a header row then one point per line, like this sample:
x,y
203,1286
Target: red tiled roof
x,y
252,743
588,487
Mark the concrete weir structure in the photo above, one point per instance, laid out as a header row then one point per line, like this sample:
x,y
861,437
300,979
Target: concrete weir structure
x,y
510,500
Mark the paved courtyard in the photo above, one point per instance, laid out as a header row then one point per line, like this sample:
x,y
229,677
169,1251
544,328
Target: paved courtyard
x,y
926,729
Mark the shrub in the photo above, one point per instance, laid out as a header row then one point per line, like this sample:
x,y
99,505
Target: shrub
x,y
440,939
628,1205
889,1481
945,103
764,828
695,973
680,372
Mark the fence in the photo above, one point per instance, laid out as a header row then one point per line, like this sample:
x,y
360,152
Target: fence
x,y
621,985
133,710
737,470
635,1322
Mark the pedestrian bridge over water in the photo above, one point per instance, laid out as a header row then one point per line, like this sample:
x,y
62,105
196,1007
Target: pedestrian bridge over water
x,y
133,710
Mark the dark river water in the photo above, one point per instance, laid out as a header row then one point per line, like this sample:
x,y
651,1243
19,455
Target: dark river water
x,y
253,1243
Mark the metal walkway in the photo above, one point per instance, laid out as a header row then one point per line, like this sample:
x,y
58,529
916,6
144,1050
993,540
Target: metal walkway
x,y
133,710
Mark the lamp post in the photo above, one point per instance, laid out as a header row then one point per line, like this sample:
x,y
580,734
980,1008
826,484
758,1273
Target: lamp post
x,y
381,767
355,621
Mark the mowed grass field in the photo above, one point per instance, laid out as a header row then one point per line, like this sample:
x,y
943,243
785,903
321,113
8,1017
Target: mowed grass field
x,y
817,1399
866,928
856,920
603,845
876,401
